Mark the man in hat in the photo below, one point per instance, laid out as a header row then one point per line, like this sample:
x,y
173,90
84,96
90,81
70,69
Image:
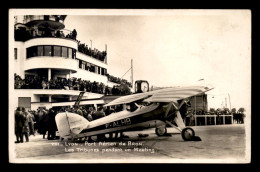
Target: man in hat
x,y
19,123
26,124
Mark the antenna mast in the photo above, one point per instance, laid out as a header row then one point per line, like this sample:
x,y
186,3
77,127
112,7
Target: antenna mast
x,y
132,75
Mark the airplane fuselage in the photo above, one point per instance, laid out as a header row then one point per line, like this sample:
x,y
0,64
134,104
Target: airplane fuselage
x,y
139,121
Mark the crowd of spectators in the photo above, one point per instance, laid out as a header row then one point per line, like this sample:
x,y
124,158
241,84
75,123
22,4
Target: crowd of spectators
x,y
31,122
42,121
118,80
70,35
21,34
37,82
24,122
83,48
238,116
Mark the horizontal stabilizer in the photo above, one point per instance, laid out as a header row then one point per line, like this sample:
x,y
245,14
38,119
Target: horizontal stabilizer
x,y
70,124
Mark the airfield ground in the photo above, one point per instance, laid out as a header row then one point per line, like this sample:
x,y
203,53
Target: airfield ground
x,y
221,143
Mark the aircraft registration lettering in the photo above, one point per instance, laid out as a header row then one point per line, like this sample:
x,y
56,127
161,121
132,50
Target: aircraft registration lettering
x,y
122,122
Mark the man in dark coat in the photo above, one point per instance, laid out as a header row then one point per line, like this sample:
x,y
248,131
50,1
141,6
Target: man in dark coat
x,y
43,122
52,127
26,124
96,115
19,123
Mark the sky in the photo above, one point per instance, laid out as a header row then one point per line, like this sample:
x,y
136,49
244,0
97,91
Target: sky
x,y
175,48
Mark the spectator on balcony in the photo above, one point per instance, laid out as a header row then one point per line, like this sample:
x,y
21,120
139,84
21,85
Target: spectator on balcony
x,y
74,34
47,32
18,82
114,90
44,84
62,34
107,92
81,85
37,82
58,35
94,87
70,84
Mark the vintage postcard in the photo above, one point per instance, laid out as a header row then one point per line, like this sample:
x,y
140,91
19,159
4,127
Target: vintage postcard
x,y
129,86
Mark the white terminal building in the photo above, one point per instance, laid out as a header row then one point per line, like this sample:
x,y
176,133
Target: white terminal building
x,y
44,48
40,49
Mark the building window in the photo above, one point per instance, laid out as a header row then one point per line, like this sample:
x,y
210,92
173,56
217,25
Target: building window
x,y
98,70
40,51
92,68
46,17
31,52
70,53
44,99
80,64
57,51
64,52
83,65
102,71
15,53
24,102
47,51
73,53
88,66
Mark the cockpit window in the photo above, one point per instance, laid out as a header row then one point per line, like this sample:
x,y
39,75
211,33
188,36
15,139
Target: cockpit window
x,y
132,107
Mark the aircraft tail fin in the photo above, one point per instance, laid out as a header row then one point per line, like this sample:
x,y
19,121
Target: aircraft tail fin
x,y
70,124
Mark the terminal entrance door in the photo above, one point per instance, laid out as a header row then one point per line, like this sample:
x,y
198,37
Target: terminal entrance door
x,y
24,102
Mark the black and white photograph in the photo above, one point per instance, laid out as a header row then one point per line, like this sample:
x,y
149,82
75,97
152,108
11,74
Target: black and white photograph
x,y
129,86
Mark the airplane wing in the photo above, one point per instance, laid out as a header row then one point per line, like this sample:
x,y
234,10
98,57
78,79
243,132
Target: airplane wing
x,y
128,99
163,95
177,93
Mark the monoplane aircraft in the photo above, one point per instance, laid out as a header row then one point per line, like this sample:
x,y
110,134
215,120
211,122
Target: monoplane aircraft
x,y
161,108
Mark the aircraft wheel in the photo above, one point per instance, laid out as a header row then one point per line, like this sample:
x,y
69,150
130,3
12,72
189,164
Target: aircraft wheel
x,y
161,131
187,134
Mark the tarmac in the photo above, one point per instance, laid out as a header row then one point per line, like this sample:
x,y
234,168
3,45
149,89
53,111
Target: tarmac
x,y
220,144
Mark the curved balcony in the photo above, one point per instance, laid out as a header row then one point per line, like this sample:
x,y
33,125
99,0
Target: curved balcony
x,y
52,41
51,21
58,63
